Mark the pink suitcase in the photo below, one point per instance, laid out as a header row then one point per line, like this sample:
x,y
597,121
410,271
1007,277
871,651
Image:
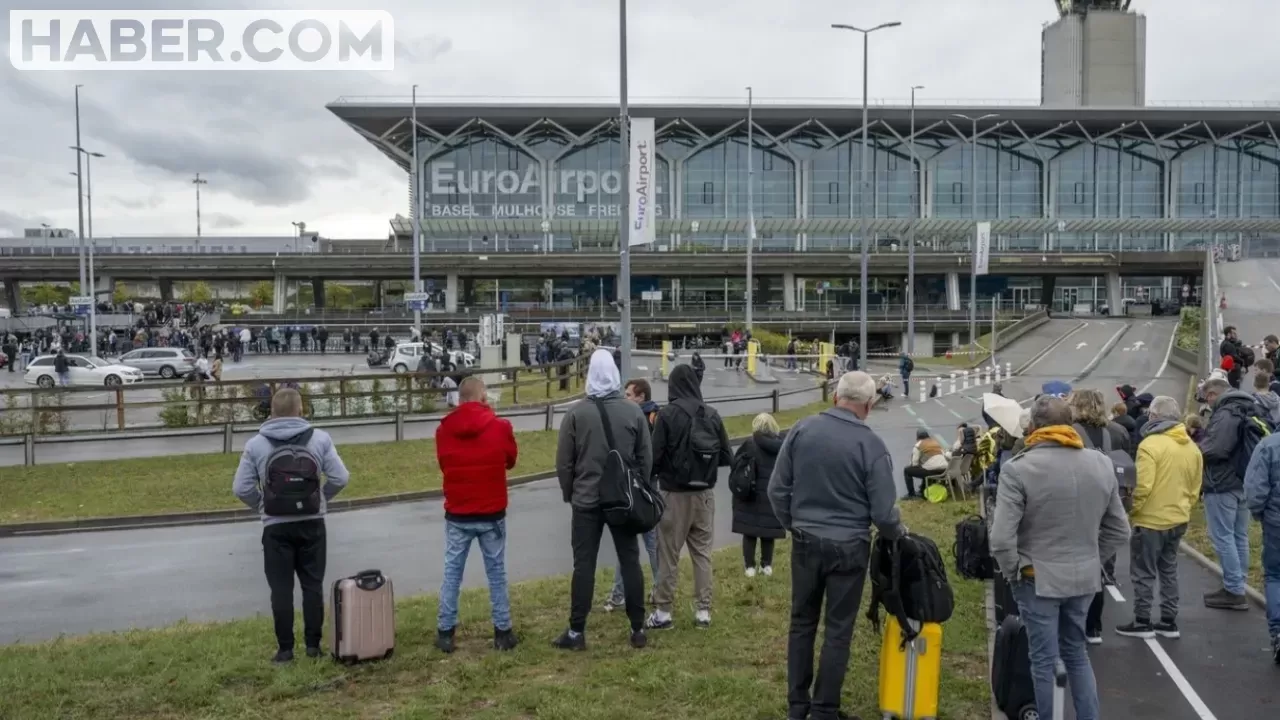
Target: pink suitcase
x,y
364,617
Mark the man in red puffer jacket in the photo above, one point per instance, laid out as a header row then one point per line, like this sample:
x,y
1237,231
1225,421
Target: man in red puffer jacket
x,y
475,448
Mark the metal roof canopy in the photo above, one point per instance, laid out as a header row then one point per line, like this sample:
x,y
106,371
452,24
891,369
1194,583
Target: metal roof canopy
x,y
880,226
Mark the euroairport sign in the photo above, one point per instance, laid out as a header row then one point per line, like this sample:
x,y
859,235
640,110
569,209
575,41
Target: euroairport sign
x,y
489,193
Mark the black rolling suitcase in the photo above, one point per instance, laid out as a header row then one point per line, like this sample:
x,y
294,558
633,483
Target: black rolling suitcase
x,y
1002,592
1011,682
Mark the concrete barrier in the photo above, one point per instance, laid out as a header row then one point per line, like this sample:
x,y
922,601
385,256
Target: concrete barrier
x,y
1185,360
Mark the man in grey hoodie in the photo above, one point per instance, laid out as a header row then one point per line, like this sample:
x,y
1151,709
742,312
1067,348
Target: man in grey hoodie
x,y
288,450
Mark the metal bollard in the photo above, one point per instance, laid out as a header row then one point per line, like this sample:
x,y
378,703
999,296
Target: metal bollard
x,y
29,449
226,439
924,391
399,426
996,377
965,379
1008,370
776,401
551,417
953,384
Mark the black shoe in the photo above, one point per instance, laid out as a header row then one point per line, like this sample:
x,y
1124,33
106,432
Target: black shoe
x,y
1275,649
1167,629
504,639
1225,600
1137,629
639,640
444,641
1093,637
282,657
570,640
313,651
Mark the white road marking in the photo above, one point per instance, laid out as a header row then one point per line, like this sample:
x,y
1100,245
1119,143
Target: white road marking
x,y
42,553
1163,365
953,412
642,368
1114,592
1202,710
1274,284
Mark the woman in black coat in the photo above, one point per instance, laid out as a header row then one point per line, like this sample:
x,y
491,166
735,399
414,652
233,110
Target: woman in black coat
x,y
753,516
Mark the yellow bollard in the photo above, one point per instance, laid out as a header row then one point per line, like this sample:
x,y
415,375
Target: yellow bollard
x,y
666,359
753,349
826,353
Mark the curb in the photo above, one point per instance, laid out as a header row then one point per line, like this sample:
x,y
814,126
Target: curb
x,y
1040,355
217,517
1102,354
1203,560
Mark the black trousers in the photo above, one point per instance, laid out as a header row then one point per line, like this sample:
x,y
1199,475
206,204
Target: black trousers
x,y
296,548
912,472
749,551
1093,620
834,571
587,528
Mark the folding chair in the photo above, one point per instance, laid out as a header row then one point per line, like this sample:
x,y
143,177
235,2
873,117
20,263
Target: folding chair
x,y
957,476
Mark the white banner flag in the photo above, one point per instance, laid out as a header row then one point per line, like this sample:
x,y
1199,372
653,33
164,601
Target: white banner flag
x,y
982,257
643,211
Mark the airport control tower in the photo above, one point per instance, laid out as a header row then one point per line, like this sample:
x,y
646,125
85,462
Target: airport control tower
x,y
1095,55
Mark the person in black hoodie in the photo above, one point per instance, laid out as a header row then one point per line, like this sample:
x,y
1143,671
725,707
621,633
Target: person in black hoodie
x,y
689,444
1232,348
699,366
753,516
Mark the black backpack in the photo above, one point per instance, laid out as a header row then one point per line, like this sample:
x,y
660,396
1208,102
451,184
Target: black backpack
x,y
1121,461
909,580
909,366
698,454
742,476
971,551
1247,357
1253,429
292,486
628,500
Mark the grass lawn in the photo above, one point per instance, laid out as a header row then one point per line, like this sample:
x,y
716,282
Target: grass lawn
x,y
1198,537
734,670
188,483
535,392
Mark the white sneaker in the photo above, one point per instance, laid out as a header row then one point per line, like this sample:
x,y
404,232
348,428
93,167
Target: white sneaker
x,y
751,572
767,570
702,618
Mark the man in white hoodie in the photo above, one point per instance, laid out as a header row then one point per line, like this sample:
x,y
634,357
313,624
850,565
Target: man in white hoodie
x,y
289,472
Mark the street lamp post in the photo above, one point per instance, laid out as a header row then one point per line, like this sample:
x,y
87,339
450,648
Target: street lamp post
x,y
79,189
751,216
623,293
911,231
90,289
865,187
417,215
198,181
973,203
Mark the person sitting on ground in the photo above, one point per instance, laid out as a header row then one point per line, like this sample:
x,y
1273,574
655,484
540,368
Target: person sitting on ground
x,y
1170,470
753,517
475,449
581,454
1058,511
293,532
927,459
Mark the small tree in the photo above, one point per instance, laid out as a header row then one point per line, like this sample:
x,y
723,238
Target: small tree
x,y
46,294
199,292
120,295
262,293
341,297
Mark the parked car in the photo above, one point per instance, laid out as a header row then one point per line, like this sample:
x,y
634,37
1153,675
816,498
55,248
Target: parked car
x,y
83,371
408,356
165,362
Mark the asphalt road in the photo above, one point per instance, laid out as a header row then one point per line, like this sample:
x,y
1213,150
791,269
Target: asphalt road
x,y
718,382
1253,297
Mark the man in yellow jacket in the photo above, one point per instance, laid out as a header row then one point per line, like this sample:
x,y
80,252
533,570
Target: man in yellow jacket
x,y
1170,470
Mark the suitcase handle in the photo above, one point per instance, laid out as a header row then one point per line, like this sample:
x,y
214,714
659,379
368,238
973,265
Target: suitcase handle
x,y
369,579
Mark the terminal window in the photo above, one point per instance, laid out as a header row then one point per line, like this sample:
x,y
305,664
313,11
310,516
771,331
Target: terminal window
x,y
1015,162
1197,195
833,193
957,193
708,193
1077,193
768,162
1136,163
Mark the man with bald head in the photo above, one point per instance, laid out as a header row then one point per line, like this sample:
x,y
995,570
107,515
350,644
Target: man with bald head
x,y
1058,512
475,449
289,472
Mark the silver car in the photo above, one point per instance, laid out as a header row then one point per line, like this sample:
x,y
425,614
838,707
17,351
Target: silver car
x,y
165,362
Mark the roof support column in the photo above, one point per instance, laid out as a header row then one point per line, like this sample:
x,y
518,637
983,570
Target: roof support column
x,y
451,292
280,294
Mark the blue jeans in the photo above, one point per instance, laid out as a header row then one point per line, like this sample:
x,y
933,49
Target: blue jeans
x,y
1055,629
1227,518
64,379
493,546
616,596
1271,575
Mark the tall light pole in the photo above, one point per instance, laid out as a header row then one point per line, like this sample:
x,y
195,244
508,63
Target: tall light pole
x,y
417,213
198,181
911,231
973,256
298,228
751,215
90,289
866,187
624,148
79,189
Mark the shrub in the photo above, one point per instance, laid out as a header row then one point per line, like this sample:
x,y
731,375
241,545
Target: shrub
x,y
1188,333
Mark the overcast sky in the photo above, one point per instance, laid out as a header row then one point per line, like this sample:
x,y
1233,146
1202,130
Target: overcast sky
x,y
272,154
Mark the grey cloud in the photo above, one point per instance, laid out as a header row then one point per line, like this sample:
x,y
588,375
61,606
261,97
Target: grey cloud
x,y
15,224
223,221
422,50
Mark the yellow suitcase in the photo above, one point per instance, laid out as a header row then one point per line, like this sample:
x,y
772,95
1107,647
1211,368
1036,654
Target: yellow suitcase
x,y
910,675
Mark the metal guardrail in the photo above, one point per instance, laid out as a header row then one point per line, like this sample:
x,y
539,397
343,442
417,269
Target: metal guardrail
x,y
397,422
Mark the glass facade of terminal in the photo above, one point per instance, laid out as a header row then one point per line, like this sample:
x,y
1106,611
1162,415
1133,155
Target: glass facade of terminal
x,y
806,171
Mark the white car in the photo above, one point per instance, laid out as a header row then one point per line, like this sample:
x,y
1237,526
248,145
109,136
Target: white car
x,y
408,356
82,371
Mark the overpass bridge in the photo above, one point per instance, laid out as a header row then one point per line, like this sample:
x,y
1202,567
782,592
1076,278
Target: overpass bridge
x,y
454,271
